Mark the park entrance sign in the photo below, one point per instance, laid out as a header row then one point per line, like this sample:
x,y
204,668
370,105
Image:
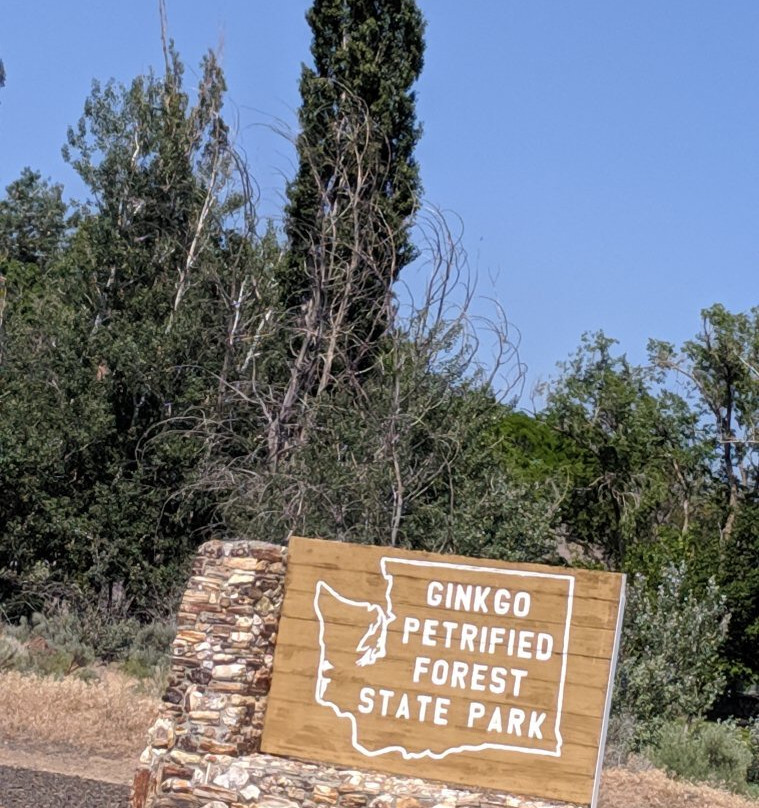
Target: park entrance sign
x,y
474,672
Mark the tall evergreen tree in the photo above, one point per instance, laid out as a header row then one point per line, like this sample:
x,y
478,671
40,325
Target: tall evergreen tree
x,y
356,190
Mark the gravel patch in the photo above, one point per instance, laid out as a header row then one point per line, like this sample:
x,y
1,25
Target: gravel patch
x,y
27,788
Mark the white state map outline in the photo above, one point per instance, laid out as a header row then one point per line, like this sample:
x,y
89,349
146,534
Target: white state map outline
x,y
371,654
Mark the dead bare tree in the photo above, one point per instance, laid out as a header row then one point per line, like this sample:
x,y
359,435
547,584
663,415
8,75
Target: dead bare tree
x,y
313,438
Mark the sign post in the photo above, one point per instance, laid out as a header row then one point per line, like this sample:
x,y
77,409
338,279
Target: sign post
x,y
473,672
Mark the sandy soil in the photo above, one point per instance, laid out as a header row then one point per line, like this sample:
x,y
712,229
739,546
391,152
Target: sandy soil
x,y
69,760
622,788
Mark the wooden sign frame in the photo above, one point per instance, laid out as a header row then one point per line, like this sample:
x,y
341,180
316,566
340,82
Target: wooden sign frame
x,y
474,672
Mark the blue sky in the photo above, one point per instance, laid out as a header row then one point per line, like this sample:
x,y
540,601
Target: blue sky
x,y
602,156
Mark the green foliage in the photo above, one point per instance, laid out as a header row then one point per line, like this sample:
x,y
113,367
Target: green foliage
x,y
670,662
32,221
357,184
67,640
721,365
537,452
650,478
720,369
635,456
13,654
156,379
622,737
738,572
752,739
125,332
54,644
150,649
705,751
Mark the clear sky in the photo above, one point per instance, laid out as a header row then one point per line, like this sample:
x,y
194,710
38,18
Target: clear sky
x,y
602,156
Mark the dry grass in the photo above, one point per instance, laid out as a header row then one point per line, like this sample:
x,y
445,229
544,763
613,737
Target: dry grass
x,y
622,788
108,716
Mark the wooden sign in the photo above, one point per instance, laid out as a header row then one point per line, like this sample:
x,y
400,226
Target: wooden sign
x,y
474,672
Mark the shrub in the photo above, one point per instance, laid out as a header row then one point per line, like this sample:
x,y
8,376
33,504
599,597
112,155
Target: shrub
x,y
752,732
703,750
64,641
53,643
670,664
13,654
150,650
621,738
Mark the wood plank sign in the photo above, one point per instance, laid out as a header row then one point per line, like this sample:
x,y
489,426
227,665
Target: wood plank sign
x,y
475,672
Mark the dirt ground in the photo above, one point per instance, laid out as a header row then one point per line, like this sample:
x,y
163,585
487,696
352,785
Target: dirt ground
x,y
96,730
621,788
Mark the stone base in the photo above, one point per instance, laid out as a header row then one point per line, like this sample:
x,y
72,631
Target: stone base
x,y
264,781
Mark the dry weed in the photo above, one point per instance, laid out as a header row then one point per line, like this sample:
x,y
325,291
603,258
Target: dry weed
x,y
623,788
108,716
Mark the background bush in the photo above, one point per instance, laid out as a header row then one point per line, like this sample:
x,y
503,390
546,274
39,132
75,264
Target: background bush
x,y
703,750
670,664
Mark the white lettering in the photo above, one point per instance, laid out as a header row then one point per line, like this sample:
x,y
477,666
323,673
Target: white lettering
x,y
463,598
459,671
516,719
498,680
441,712
421,665
544,646
439,675
474,676
497,633
403,709
385,696
477,598
410,625
468,633
478,676
522,604
518,676
423,703
536,719
449,627
429,632
434,593
502,601
480,602
524,647
366,700
476,711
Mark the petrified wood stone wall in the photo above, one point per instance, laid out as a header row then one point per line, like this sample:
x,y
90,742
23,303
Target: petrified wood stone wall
x,y
203,749
220,668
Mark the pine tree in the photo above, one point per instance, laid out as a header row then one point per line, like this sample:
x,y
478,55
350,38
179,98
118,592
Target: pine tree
x,y
356,190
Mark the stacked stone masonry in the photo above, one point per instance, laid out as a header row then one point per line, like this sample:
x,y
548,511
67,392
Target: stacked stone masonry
x,y
204,748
